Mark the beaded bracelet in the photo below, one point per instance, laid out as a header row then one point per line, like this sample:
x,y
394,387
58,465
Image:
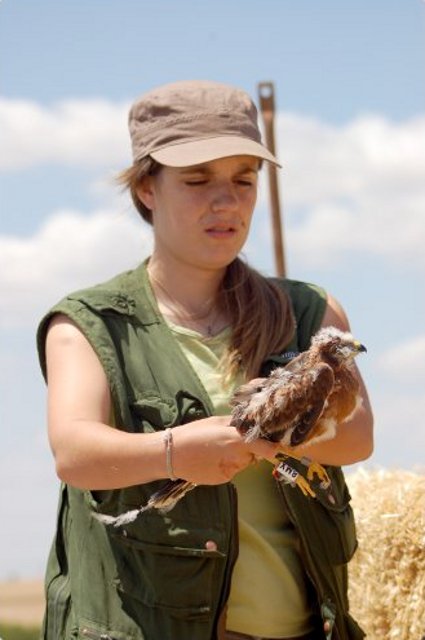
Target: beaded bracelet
x,y
168,439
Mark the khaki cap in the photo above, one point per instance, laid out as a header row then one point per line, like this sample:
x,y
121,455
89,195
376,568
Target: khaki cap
x,y
192,122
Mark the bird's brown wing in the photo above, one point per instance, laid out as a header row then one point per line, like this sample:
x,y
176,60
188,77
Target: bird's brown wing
x,y
300,362
309,401
285,406
345,397
244,416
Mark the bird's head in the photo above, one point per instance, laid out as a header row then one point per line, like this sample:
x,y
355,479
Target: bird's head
x,y
337,345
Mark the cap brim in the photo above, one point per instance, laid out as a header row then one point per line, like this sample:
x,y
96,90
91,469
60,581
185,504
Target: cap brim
x,y
187,154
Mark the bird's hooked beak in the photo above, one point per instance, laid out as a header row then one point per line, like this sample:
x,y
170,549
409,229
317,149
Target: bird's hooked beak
x,y
359,347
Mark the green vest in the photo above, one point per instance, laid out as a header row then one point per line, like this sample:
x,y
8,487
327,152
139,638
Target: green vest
x,y
154,579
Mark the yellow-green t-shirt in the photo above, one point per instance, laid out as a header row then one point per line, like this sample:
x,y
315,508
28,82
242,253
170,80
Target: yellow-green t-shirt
x,y
268,595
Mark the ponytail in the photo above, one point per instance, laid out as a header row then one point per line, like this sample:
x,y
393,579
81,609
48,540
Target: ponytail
x,y
261,317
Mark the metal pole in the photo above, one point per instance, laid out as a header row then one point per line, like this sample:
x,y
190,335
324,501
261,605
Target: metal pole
x,y
267,106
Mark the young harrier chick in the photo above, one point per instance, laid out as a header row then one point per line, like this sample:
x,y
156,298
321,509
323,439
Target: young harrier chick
x,y
303,402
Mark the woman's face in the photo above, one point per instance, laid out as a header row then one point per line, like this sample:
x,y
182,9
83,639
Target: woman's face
x,y
202,214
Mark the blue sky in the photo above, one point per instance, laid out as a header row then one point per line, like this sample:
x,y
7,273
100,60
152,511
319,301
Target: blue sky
x,y
350,134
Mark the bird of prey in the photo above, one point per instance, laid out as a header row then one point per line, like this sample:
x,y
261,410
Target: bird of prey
x,y
303,402
300,403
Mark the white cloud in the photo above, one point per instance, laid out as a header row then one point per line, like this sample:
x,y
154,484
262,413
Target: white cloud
x,y
70,251
406,360
84,132
356,187
393,230
329,162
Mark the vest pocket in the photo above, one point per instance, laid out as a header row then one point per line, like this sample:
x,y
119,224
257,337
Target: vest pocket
x,y
335,520
152,412
327,525
177,579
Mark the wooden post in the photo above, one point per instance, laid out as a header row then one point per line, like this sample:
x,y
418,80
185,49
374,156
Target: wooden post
x,y
267,107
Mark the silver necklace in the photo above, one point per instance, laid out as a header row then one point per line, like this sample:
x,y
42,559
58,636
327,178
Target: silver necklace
x,y
185,317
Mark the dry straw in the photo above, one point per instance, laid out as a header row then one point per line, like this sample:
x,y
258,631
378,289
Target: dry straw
x,y
387,574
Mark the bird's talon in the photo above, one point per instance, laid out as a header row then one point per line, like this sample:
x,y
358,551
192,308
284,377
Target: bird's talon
x,y
316,469
305,487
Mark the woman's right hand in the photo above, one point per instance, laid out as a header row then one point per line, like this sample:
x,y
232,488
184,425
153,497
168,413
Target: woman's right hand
x,y
209,451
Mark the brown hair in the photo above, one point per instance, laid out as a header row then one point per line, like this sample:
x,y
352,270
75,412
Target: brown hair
x,y
261,315
130,179
259,310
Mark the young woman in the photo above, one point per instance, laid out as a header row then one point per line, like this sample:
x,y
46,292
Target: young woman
x,y
140,371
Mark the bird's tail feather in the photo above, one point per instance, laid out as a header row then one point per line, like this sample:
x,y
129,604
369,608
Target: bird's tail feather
x,y
164,500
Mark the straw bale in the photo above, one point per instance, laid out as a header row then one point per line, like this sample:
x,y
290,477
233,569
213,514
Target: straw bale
x,y
387,574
